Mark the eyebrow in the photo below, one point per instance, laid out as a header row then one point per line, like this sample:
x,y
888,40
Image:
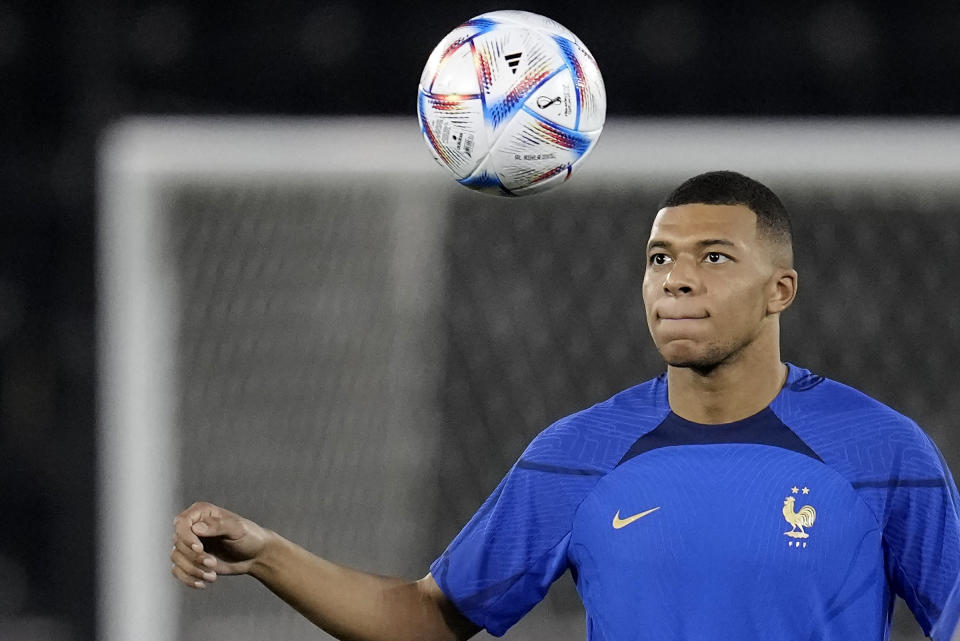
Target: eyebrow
x,y
709,242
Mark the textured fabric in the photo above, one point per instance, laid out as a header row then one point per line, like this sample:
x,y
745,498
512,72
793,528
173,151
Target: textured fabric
x,y
800,522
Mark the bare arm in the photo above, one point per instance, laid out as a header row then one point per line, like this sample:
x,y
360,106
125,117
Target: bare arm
x,y
351,605
356,606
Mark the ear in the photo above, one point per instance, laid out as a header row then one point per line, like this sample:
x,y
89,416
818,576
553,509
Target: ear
x,y
783,289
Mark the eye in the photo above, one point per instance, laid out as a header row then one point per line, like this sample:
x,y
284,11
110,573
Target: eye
x,y
716,258
659,259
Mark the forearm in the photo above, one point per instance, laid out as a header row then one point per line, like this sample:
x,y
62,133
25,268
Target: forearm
x,y
353,605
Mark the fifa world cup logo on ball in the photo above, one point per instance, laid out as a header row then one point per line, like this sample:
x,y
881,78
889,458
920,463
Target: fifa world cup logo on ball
x,y
511,103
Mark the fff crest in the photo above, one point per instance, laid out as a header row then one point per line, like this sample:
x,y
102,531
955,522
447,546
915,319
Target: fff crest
x,y
798,520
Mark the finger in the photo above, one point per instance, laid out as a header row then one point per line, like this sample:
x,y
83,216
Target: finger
x,y
217,524
196,557
195,570
182,531
186,579
191,569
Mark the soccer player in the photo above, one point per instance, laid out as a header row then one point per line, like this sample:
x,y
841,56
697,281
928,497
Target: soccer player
x,y
733,497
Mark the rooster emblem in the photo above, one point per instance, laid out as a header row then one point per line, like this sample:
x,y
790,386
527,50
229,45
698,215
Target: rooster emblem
x,y
802,519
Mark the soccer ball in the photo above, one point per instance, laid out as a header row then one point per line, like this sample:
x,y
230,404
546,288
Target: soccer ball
x,y
511,102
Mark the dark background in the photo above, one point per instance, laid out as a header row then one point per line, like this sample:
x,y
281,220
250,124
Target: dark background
x,y
69,69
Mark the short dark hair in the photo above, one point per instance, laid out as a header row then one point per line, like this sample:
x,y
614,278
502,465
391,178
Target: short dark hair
x,y
731,188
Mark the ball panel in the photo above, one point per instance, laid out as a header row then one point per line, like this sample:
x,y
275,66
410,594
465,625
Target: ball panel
x,y
591,94
485,180
453,129
456,73
532,150
512,62
545,182
556,100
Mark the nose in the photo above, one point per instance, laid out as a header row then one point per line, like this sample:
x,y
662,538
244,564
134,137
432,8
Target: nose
x,y
681,279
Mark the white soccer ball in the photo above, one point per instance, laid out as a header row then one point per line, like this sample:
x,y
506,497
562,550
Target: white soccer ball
x,y
511,102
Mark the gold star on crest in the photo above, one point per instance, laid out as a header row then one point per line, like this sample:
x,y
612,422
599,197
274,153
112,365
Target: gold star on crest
x,y
794,489
806,490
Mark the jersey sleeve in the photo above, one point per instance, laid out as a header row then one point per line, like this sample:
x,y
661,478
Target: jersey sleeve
x,y
922,533
505,559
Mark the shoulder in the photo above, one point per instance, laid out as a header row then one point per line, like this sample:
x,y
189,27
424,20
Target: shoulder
x,y
843,411
599,435
852,431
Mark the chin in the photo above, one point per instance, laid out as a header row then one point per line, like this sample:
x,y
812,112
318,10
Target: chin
x,y
701,366
700,360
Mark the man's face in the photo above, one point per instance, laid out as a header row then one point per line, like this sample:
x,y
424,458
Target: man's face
x,y
707,283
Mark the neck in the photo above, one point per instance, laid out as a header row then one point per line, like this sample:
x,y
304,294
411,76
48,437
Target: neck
x,y
731,391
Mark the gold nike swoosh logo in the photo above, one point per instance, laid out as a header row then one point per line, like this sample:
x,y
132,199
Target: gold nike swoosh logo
x,y
619,523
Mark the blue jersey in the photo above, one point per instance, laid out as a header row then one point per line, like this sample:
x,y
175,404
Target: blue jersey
x,y
801,522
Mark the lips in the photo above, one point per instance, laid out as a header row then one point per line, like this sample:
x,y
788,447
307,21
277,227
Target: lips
x,y
676,316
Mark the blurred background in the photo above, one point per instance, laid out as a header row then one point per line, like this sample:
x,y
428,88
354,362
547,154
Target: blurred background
x,y
71,69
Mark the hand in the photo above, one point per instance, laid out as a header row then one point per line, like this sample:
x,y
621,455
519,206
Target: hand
x,y
209,541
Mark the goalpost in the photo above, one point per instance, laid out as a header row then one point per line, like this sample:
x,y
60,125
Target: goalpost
x,y
273,304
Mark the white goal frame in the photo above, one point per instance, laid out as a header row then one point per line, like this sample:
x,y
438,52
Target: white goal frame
x,y
136,596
